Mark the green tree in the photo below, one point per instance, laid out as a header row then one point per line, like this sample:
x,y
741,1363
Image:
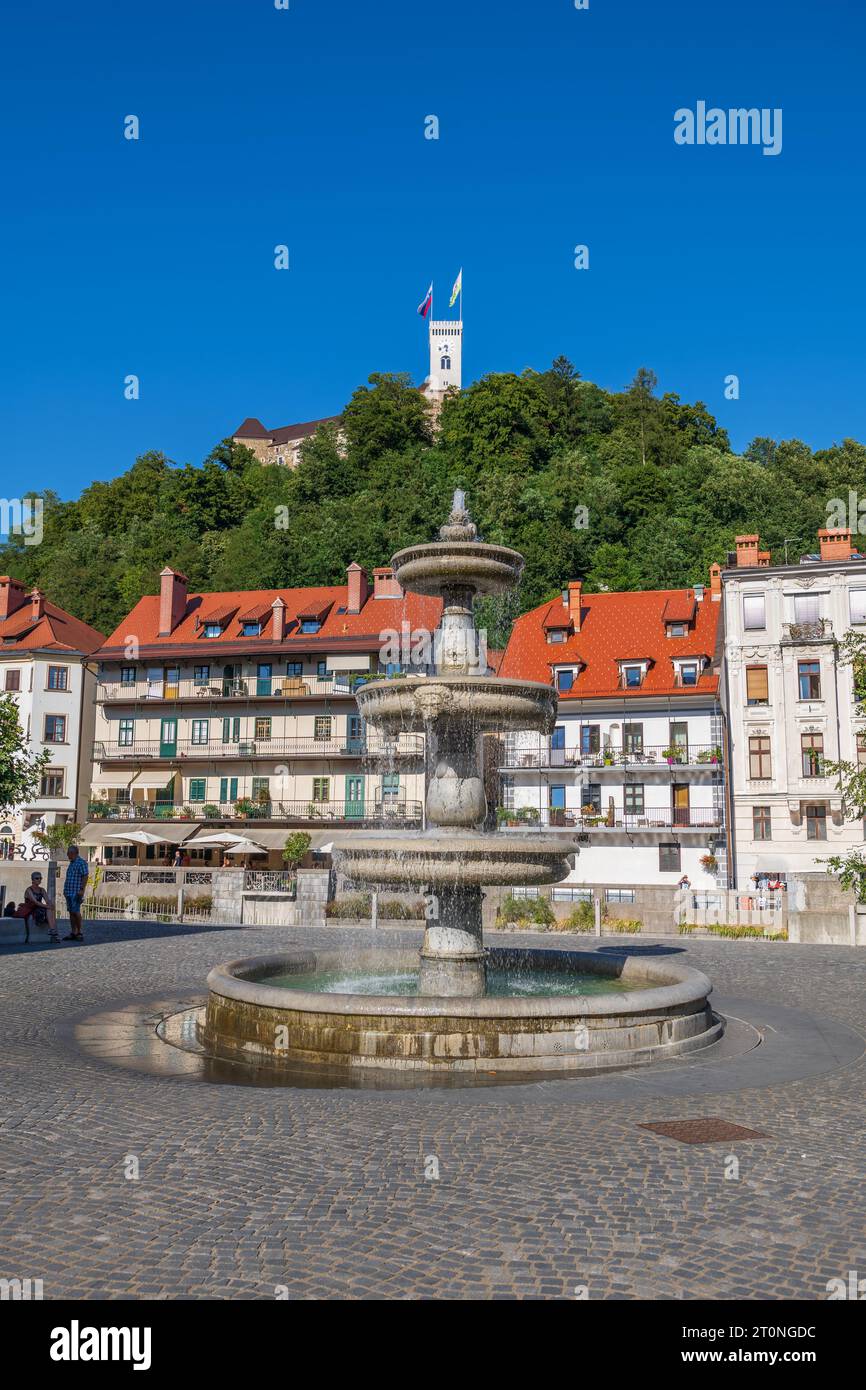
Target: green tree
x,y
20,768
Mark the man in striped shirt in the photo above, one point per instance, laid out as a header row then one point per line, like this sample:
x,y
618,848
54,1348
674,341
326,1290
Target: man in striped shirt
x,y
73,891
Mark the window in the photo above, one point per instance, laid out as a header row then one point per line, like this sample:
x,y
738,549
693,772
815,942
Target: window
x,y
294,668
13,680
322,669
590,738
390,786
310,625
55,728
126,733
261,792
633,793
231,729
688,673
445,363
228,790
213,630
753,612
632,738
669,859
321,789
556,798
200,731
809,678
127,675
816,821
52,782
761,823
677,630
197,788
556,634
807,608
322,728
632,676
58,677
861,750
564,680
760,765
251,629
201,675
619,895
757,685
812,754
590,798
263,726
857,605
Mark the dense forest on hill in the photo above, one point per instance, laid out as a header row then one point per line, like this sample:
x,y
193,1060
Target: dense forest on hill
x,y
664,496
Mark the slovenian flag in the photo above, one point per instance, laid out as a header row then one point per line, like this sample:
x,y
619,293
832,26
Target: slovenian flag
x,y
424,306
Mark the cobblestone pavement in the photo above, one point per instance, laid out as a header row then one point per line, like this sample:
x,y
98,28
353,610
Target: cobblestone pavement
x,y
542,1189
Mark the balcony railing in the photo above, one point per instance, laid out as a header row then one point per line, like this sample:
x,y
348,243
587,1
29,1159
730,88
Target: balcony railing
x,y
819,631
345,746
234,688
376,813
542,754
654,818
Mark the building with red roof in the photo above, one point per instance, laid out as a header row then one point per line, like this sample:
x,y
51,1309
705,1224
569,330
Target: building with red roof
x,y
281,446
635,762
241,705
45,668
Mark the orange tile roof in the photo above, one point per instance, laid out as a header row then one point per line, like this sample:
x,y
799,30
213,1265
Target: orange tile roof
x,y
339,628
56,630
613,625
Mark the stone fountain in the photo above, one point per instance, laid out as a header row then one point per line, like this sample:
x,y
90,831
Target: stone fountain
x,y
457,1007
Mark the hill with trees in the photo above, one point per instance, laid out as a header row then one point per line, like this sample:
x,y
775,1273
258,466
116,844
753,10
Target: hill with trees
x,y
663,492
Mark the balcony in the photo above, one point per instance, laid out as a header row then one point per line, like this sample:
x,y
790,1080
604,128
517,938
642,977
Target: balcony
x,y
654,818
405,746
800,634
320,813
232,690
541,754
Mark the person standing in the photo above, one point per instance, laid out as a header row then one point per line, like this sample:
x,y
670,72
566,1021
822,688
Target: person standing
x,y
73,891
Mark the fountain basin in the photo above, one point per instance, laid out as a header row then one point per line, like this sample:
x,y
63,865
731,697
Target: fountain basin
x,y
483,702
654,1009
453,858
474,565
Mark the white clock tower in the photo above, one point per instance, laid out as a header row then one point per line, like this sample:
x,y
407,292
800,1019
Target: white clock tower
x,y
446,353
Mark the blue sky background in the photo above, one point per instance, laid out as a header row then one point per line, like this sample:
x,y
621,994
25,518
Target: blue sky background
x,y
261,126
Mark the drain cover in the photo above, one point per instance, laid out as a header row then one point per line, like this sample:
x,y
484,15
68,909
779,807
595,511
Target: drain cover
x,y
705,1131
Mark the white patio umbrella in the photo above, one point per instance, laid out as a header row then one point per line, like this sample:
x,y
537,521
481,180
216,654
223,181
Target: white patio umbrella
x,y
219,837
246,847
139,837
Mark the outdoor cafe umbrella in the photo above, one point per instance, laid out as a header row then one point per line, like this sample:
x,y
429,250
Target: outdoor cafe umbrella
x,y
220,837
246,847
139,837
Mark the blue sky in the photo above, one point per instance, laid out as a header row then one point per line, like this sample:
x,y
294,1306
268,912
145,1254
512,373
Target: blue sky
x,y
306,127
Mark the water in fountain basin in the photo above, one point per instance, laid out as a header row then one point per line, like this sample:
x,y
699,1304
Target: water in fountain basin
x,y
512,983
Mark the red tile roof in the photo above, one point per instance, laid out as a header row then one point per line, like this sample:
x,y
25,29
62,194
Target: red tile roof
x,y
612,626
351,631
56,630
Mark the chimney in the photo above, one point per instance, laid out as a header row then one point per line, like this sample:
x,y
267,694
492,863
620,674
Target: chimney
x,y
747,551
278,625
384,583
12,596
715,583
37,605
835,543
575,589
172,600
358,588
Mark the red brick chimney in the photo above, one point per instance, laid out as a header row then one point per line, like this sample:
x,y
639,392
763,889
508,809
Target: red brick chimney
x,y
384,583
835,543
172,600
37,605
575,589
715,583
747,551
358,588
278,623
12,596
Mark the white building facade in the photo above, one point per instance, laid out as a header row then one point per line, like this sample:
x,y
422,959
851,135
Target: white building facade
x,y
790,705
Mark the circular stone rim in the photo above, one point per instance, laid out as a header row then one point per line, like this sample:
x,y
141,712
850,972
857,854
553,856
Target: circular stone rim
x,y
681,986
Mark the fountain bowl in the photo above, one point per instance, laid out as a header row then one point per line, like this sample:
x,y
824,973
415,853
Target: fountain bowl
x,y
456,858
483,568
655,1009
486,703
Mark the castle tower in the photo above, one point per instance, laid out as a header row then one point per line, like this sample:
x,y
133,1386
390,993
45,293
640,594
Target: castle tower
x,y
446,355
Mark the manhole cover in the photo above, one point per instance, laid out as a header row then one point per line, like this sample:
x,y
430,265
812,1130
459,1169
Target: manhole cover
x,y
705,1131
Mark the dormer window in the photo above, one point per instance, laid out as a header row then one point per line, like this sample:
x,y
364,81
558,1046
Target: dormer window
x,y
678,629
564,678
632,673
687,670
310,625
251,629
213,630
557,634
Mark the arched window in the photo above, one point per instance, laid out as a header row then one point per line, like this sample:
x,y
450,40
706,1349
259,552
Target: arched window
x,y
445,363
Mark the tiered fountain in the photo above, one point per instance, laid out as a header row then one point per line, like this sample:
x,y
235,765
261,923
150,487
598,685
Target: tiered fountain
x,y
458,1007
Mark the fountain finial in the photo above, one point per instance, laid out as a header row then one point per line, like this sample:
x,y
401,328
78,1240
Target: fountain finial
x,y
459,526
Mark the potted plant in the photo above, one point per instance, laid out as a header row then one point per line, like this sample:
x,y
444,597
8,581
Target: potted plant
x,y
97,810
244,808
210,812
673,755
506,815
709,863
